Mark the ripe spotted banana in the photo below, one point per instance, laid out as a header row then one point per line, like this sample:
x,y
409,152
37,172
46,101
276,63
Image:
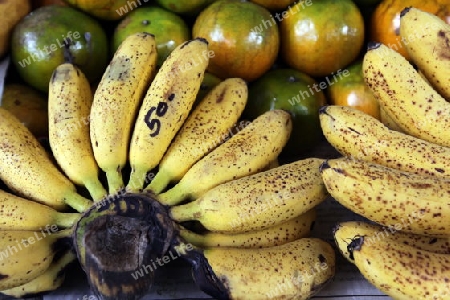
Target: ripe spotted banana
x,y
387,120
358,135
116,102
413,104
17,213
27,169
343,233
257,201
205,128
69,106
295,270
246,153
285,232
390,197
165,107
50,280
428,47
24,254
403,272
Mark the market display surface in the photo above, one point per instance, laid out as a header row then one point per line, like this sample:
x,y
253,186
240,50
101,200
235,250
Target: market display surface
x,y
146,169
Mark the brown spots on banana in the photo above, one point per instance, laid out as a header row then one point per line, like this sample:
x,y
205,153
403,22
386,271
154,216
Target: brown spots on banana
x,y
444,44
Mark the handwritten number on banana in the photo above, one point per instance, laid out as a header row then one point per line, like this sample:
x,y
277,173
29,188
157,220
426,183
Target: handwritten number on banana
x,y
152,121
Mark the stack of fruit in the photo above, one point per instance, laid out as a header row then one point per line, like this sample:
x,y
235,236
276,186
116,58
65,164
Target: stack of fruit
x,y
398,179
255,216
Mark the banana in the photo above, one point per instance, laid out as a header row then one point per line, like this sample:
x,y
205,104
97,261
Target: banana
x,y
69,106
295,270
28,170
388,121
48,281
165,107
116,102
17,213
428,47
401,271
246,153
373,233
390,197
288,231
358,135
413,104
24,254
205,128
257,201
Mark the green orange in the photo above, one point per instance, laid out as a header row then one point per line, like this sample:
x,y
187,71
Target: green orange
x,y
295,92
321,37
243,36
51,35
188,8
169,29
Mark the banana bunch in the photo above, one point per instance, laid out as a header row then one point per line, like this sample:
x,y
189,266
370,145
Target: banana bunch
x,y
404,266
135,171
396,172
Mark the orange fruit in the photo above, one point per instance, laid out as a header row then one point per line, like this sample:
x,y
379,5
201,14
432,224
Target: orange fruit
x,y
11,12
274,5
52,35
295,92
385,21
351,90
322,37
243,38
169,29
28,105
185,8
107,9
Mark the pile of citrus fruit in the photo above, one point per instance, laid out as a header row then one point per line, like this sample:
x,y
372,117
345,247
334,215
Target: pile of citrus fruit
x,y
295,55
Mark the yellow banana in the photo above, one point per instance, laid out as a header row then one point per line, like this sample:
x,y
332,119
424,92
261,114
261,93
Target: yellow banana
x,y
69,106
295,270
206,127
358,135
24,254
388,121
165,107
390,197
426,38
27,169
413,104
17,213
343,233
403,272
257,201
48,281
246,153
285,232
116,102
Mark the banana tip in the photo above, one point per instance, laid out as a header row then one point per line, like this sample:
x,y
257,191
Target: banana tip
x,y
404,11
373,45
323,166
323,109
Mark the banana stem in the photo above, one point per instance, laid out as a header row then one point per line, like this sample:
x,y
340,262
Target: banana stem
x,y
115,181
65,233
159,183
96,189
137,179
173,196
192,237
185,212
66,220
77,202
